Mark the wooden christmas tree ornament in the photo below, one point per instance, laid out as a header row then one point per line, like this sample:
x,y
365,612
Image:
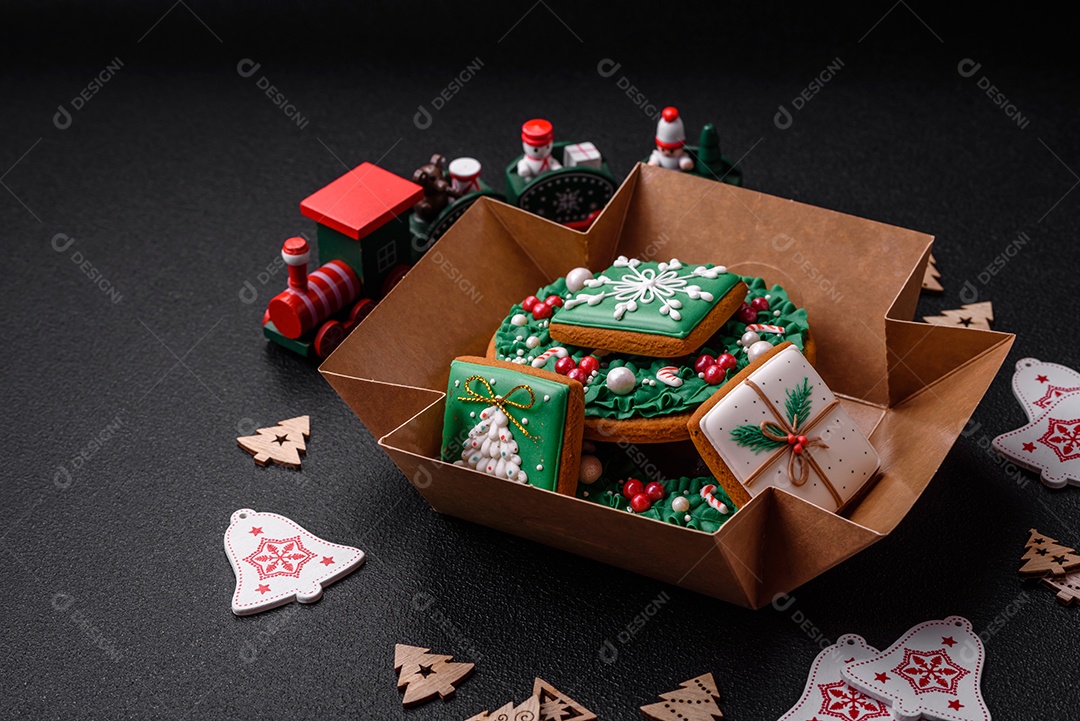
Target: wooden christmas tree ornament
x,y
974,315
423,674
529,710
930,281
695,700
283,444
1066,588
1043,555
557,706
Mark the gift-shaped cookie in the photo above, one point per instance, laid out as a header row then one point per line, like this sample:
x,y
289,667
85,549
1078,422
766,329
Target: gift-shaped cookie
x,y
654,309
776,423
516,423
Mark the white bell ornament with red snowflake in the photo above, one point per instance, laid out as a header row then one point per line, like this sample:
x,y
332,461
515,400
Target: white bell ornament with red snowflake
x,y
1049,444
932,672
828,695
1038,385
275,561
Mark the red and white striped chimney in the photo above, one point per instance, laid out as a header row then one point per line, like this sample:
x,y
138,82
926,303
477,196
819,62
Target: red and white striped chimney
x,y
296,254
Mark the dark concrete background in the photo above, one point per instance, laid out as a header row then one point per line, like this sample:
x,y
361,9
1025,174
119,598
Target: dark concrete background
x,y
179,179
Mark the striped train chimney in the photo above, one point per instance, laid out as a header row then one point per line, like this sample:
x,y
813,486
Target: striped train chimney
x,y
296,254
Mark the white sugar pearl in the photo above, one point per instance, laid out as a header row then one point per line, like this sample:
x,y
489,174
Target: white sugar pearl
x,y
520,352
539,466
620,381
680,504
749,338
457,383
492,380
519,319
547,398
776,314
524,421
687,518
758,349
590,470
520,337
472,414
575,279
532,342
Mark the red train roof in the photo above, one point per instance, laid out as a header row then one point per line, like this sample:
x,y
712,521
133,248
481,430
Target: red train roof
x,y
362,200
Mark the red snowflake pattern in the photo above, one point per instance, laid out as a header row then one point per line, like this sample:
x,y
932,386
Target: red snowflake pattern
x,y
843,701
928,671
276,557
1063,438
1051,396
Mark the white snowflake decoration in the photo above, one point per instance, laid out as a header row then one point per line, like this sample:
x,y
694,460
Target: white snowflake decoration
x,y
643,286
568,201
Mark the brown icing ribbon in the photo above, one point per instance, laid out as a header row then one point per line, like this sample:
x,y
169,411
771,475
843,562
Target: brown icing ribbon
x,y
800,458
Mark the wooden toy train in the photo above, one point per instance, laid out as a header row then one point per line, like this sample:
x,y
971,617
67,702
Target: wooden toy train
x,y
366,244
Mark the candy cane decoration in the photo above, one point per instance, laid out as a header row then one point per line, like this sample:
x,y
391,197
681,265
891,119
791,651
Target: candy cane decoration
x,y
706,493
763,328
668,375
558,351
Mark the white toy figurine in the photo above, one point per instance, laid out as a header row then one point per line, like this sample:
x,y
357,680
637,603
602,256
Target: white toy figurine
x,y
537,138
670,152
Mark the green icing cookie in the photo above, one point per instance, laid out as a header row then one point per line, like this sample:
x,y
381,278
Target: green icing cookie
x,y
658,298
505,423
699,516
526,340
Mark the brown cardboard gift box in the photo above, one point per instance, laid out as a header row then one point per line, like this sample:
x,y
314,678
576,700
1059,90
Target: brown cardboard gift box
x,y
910,386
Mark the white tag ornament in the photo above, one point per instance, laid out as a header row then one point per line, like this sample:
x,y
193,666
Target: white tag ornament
x,y
275,561
828,695
932,672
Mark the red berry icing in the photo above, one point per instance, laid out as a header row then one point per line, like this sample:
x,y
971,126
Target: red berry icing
x,y
747,314
703,362
714,375
577,374
529,302
640,503
726,361
564,366
633,487
554,301
541,311
759,304
655,491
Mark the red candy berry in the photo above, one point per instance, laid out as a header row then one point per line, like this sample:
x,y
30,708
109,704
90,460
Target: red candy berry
x,y
802,441
541,311
714,375
655,491
529,302
633,487
578,375
747,314
589,364
797,448
703,362
726,361
554,301
759,304
640,503
564,365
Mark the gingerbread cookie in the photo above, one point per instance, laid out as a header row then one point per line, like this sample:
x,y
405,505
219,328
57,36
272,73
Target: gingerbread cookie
x,y
656,405
658,310
777,423
520,424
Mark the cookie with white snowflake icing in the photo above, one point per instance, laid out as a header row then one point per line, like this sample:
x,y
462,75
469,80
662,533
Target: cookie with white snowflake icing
x,y
656,309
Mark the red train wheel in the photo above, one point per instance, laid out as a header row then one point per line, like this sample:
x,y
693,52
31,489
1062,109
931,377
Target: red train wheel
x,y
328,338
361,310
393,278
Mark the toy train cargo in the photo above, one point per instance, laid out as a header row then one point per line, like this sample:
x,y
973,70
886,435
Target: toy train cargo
x,y
366,244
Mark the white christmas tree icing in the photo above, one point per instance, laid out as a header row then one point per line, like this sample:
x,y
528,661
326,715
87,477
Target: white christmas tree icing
x,y
491,448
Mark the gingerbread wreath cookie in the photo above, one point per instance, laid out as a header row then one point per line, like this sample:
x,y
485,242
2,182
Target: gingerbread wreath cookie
x,y
642,399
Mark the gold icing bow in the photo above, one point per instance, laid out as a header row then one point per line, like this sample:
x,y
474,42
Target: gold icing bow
x,y
800,459
500,401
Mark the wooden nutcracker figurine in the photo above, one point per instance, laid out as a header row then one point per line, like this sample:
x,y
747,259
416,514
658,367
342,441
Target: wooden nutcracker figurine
x,y
670,150
537,138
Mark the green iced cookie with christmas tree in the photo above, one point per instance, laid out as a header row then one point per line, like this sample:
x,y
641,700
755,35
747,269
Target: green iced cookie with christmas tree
x,y
518,424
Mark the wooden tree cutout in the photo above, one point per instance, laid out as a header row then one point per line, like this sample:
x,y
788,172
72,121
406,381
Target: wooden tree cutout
x,y
424,674
1067,588
557,706
930,280
974,315
283,444
529,710
694,701
1044,555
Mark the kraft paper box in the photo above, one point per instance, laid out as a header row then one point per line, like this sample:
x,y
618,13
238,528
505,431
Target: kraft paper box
x,y
910,387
